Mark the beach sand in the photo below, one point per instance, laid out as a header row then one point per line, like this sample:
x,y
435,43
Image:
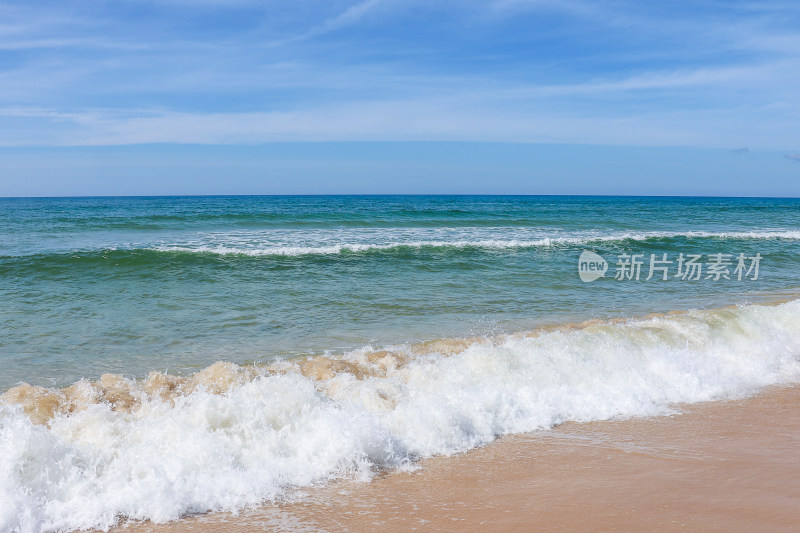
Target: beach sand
x,y
722,466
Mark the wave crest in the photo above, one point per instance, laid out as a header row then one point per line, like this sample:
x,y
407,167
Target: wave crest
x,y
231,436
484,244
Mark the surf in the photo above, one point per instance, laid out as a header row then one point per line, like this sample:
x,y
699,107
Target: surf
x,y
230,436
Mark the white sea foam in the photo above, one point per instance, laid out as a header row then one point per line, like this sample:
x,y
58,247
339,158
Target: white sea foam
x,y
204,451
253,246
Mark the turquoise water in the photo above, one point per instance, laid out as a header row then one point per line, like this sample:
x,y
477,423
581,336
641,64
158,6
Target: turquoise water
x,y
141,296
130,285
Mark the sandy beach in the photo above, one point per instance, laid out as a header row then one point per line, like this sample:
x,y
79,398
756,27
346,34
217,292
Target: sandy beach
x,y
720,466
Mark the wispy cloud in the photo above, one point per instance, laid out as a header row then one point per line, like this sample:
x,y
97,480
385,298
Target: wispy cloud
x,y
349,16
572,7
793,157
510,70
656,81
433,119
33,44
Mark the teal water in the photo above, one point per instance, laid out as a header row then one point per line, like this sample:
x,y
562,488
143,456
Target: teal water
x,y
131,285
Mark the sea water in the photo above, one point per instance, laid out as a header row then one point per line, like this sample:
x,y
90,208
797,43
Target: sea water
x,y
168,355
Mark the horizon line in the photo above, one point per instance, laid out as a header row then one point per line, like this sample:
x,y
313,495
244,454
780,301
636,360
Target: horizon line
x,y
320,195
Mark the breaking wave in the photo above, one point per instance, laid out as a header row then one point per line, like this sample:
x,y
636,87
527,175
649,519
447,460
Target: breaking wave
x,y
232,436
352,241
487,244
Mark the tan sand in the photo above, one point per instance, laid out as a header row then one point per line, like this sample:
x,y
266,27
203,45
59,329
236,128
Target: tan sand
x,y
724,466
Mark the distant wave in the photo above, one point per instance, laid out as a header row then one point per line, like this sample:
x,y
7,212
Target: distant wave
x,y
487,244
233,244
231,436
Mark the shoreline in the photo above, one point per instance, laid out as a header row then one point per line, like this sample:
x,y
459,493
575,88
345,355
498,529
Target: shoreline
x,y
718,466
232,437
324,365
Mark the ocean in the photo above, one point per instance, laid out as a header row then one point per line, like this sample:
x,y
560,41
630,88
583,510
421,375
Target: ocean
x,y
171,355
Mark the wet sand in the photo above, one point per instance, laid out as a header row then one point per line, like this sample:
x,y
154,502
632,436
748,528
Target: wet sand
x,y
723,466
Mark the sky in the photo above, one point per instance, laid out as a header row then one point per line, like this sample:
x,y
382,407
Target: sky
x,y
399,96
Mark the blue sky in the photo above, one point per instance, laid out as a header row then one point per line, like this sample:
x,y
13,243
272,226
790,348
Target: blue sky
x,y
127,97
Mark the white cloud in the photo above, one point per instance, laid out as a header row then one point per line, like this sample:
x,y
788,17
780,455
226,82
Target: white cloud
x,y
346,18
653,81
572,7
443,119
185,91
28,44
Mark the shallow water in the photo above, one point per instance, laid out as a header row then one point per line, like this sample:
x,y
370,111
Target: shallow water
x,y
130,285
